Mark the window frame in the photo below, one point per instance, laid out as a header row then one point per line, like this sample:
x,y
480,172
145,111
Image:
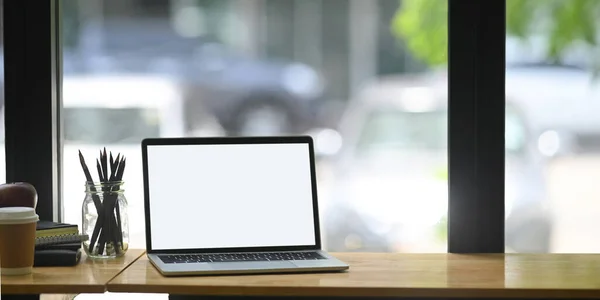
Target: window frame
x,y
32,69
476,114
476,61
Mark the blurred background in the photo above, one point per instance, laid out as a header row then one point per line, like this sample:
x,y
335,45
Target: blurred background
x,y
367,79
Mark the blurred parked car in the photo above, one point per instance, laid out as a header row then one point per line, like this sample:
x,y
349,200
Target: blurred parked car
x,y
560,102
248,95
390,191
253,97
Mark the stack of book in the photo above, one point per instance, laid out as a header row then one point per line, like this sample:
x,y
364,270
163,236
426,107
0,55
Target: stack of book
x,y
57,244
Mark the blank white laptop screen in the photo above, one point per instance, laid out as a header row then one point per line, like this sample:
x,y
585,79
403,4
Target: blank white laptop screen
x,y
229,196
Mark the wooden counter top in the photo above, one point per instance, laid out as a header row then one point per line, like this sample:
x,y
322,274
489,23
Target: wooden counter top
x,y
400,275
89,276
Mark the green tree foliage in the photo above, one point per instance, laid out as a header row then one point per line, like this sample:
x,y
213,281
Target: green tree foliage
x,y
422,24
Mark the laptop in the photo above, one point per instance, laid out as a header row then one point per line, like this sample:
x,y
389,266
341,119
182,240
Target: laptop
x,y
233,205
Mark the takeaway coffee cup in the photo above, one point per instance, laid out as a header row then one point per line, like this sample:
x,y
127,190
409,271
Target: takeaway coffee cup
x,y
17,240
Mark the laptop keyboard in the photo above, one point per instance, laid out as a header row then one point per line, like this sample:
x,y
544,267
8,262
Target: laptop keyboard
x,y
234,257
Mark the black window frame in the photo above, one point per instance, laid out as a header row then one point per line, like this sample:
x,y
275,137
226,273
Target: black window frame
x,y
476,54
32,84
476,114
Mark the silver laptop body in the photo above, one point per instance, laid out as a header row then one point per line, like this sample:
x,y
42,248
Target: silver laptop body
x,y
232,205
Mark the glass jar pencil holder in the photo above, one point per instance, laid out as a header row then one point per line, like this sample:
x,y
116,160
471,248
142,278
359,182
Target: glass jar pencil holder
x,y
105,220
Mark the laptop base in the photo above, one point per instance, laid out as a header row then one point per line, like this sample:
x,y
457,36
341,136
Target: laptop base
x,y
329,264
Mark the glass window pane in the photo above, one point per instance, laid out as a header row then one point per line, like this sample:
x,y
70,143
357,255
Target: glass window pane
x,y
552,84
351,73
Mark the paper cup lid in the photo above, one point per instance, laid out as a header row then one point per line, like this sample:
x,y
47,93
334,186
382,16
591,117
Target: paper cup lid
x,y
17,215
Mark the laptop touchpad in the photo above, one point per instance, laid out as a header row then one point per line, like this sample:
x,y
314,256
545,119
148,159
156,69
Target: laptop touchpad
x,y
251,265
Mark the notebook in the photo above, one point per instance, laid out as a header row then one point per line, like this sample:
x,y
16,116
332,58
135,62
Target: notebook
x,y
68,246
56,258
60,239
49,228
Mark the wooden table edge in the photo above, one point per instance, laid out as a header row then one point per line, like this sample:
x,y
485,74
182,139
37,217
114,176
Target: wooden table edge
x,y
53,289
354,292
189,288
23,289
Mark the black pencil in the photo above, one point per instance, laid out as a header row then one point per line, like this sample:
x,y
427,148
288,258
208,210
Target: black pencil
x,y
96,200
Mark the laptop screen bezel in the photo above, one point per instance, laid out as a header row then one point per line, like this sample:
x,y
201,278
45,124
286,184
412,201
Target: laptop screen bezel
x,y
149,142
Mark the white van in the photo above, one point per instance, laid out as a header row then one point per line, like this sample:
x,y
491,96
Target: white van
x,y
117,111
